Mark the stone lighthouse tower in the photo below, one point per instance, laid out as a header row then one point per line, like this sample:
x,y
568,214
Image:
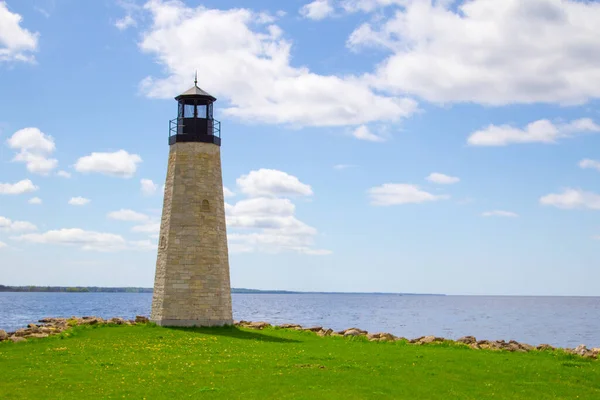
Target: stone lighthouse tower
x,y
191,285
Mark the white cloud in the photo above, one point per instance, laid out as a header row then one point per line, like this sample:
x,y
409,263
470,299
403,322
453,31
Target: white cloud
x,y
125,22
16,226
571,199
317,10
368,5
363,133
32,139
272,183
267,214
541,131
340,167
587,163
35,200
401,193
489,51
78,201
499,213
149,228
442,179
63,174
143,245
119,163
23,186
2,244
16,43
34,148
36,163
267,223
227,193
128,215
86,240
148,187
251,68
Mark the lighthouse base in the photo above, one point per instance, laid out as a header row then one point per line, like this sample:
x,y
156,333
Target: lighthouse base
x,y
192,322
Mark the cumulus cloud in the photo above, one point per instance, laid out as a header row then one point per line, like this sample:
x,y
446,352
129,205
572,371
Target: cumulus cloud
x,y
16,226
272,183
273,225
148,187
364,133
78,201
572,199
317,10
227,193
86,240
16,42
488,51
587,163
35,200
250,66
401,193
34,149
147,244
23,186
499,213
63,174
541,131
128,215
266,221
32,139
151,228
442,179
125,22
119,163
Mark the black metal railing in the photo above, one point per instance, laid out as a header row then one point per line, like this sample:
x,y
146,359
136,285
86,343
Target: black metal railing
x,y
176,126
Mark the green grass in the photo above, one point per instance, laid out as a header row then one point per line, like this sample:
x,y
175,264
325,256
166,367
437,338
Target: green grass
x,y
150,362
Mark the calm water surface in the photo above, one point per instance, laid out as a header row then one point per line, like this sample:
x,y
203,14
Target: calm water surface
x,y
559,321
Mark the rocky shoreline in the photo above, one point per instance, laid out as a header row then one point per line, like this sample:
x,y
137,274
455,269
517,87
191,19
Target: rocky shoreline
x,y
53,326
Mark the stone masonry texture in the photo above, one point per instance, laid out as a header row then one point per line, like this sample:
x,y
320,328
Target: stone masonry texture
x,y
192,285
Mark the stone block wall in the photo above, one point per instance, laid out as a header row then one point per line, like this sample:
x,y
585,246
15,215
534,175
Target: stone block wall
x,y
192,285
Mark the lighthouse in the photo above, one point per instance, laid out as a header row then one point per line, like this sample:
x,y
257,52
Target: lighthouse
x,y
191,284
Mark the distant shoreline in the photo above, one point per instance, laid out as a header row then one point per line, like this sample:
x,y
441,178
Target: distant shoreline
x,y
99,289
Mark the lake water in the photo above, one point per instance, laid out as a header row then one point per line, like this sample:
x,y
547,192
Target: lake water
x,y
559,321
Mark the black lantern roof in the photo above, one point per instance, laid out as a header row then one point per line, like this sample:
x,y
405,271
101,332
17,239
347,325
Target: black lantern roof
x,y
196,93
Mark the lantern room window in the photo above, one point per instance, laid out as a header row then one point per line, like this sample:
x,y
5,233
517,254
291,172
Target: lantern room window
x,y
195,122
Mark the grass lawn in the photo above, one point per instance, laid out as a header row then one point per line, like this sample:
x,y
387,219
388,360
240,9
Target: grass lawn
x,y
146,361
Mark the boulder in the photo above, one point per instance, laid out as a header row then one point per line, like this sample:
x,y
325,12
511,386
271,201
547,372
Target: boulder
x,y
543,347
141,319
257,325
22,332
289,326
37,335
117,321
327,332
474,346
401,338
527,347
583,351
431,339
352,332
314,329
467,340
382,336
17,339
3,335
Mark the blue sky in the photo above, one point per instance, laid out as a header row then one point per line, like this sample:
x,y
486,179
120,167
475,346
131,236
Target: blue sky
x,y
368,145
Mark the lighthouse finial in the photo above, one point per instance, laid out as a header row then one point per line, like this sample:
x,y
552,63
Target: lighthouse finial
x,y
196,78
